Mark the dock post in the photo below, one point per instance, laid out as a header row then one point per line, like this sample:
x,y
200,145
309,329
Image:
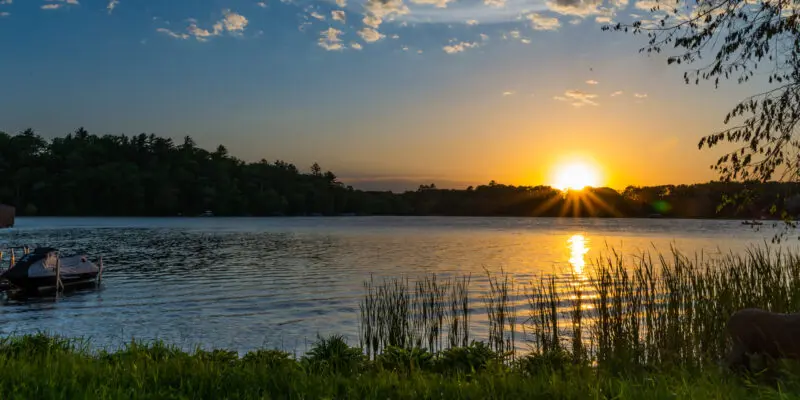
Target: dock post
x,y
59,284
13,259
100,272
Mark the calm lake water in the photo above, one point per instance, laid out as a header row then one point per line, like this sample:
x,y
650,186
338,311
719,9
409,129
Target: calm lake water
x,y
244,283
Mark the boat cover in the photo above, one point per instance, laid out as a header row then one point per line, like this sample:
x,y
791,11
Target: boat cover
x,y
42,263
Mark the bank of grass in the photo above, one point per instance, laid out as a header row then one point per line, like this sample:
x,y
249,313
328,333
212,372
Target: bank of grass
x,y
49,367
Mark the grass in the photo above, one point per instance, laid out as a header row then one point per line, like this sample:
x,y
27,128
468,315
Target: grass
x,y
653,328
50,367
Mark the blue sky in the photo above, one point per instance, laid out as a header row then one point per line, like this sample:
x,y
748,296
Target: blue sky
x,y
386,94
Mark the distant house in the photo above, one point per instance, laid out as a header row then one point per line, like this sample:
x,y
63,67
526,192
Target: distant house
x,y
7,214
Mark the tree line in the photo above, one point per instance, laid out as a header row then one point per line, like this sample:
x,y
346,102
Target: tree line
x,y
83,174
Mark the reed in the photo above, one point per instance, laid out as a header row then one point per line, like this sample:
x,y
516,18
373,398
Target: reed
x,y
624,313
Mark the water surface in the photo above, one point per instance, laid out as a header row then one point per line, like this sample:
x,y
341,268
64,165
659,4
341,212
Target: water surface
x,y
243,283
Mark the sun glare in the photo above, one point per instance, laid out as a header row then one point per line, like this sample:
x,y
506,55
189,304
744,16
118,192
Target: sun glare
x,y
576,176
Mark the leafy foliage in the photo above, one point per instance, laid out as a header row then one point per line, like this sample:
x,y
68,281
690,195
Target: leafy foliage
x,y
744,40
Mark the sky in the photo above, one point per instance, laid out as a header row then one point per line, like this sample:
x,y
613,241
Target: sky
x,y
388,94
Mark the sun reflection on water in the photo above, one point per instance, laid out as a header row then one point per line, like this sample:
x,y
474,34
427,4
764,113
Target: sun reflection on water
x,y
578,247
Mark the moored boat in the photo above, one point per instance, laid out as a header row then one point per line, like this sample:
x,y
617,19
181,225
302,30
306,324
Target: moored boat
x,y
44,269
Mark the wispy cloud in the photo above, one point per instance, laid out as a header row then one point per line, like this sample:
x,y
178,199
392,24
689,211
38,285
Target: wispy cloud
x,y
592,82
232,22
370,35
495,3
458,47
341,3
509,93
338,15
646,5
329,39
542,23
4,2
578,98
56,4
356,46
112,5
617,93
437,3
640,95
4,14
472,22
317,15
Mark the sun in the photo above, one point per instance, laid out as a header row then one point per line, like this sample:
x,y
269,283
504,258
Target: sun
x,y
576,176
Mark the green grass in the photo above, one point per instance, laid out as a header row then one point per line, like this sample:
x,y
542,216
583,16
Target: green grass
x,y
47,367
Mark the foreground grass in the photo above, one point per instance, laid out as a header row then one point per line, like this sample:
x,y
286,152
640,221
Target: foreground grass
x,y
46,367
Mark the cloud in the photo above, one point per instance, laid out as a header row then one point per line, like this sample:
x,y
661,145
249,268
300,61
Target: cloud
x,y
112,5
341,3
329,39
578,98
370,35
542,23
525,40
338,15
4,2
514,34
58,4
646,5
617,93
640,95
495,3
378,10
509,92
592,82
472,22
232,22
458,47
437,3
578,8
4,14
356,46
317,16
172,34
262,4
484,37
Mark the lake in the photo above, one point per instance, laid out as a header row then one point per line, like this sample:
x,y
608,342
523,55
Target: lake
x,y
244,283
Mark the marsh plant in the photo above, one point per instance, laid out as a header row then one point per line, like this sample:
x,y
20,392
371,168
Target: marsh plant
x,y
621,313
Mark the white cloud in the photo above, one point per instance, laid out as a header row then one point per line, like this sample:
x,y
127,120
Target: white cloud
x,y
356,46
112,5
370,35
495,3
592,82
437,3
379,10
603,19
514,34
509,92
640,95
4,2
472,22
329,39
262,4
232,22
317,16
458,47
338,15
578,98
484,37
56,4
646,5
525,40
4,14
341,3
617,93
542,23
172,34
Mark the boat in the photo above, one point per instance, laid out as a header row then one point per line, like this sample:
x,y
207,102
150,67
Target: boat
x,y
44,269
752,223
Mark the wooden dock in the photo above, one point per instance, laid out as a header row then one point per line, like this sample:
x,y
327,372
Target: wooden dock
x,y
7,214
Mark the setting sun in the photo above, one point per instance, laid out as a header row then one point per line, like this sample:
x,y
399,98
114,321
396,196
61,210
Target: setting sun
x,y
576,176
